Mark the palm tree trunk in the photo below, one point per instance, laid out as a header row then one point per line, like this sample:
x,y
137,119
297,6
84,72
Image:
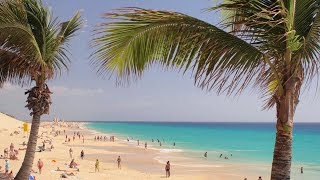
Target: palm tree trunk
x,y
282,155
39,102
26,166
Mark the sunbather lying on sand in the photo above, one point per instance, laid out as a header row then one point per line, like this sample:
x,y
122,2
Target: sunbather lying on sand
x,y
58,169
65,175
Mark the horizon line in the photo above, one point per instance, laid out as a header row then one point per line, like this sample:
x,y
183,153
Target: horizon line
x,y
123,121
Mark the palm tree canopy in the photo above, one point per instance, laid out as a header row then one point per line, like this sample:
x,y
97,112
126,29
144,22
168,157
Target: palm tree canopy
x,y
248,48
28,29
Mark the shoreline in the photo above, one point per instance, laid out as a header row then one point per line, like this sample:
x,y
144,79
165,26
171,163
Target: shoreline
x,y
137,163
243,168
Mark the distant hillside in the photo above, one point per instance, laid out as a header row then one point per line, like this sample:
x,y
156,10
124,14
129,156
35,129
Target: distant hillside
x,y
9,122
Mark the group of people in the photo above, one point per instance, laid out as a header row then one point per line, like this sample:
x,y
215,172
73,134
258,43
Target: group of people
x,y
8,174
68,139
10,153
104,138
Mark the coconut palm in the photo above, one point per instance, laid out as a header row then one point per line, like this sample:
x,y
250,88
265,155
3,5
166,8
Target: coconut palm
x,y
267,44
38,44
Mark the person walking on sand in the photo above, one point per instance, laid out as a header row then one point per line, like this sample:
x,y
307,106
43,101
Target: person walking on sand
x,y
167,168
119,162
70,152
82,154
40,165
97,166
7,165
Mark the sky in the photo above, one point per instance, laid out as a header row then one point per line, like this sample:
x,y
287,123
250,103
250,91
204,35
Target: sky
x,y
80,95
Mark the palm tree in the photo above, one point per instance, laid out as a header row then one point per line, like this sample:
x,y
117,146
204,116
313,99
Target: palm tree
x,y
40,44
268,44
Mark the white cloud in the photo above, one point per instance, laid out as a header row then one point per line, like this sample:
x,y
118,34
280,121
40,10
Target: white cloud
x,y
65,91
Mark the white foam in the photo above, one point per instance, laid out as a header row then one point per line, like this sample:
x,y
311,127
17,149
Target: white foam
x,y
245,150
170,150
191,164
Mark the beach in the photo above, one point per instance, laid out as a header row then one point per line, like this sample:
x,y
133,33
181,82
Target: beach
x,y
137,162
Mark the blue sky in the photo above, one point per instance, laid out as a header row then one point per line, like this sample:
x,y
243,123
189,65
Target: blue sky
x,y
159,96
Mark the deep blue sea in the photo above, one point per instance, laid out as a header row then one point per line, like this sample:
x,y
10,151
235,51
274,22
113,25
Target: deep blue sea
x,y
252,142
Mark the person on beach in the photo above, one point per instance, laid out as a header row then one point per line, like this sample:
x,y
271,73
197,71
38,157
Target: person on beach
x,y
7,165
10,175
73,164
82,154
82,139
97,166
260,178
70,152
220,155
145,145
5,153
167,168
119,162
74,137
205,154
138,142
40,165
301,170
160,144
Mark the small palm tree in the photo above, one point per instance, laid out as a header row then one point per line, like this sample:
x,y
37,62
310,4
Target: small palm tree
x,y
38,44
269,44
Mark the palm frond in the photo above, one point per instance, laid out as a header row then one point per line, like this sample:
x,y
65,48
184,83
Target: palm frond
x,y
138,38
308,26
11,68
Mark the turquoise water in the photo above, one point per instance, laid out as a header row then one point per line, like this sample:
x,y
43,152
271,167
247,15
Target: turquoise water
x,y
245,141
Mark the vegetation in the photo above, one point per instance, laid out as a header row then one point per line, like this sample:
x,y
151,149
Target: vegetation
x,y
267,44
34,48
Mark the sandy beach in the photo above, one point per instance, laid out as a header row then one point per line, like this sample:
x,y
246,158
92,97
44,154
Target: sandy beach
x,y
137,163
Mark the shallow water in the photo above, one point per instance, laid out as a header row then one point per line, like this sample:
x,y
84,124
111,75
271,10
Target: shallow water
x,y
247,142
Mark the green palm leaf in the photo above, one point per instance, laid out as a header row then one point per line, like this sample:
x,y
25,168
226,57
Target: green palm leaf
x,y
140,38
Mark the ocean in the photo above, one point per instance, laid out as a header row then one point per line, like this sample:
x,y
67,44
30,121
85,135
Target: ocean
x,y
243,142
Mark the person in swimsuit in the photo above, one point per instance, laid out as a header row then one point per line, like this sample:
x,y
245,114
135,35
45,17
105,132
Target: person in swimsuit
x,y
167,168
7,165
97,166
82,154
119,162
70,152
40,165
